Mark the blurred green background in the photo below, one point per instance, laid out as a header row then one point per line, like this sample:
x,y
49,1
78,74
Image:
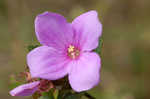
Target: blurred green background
x,y
125,72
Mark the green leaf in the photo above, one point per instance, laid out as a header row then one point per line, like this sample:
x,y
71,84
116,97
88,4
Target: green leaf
x,y
44,97
89,96
14,85
73,96
56,93
98,49
47,95
31,47
14,82
35,95
69,95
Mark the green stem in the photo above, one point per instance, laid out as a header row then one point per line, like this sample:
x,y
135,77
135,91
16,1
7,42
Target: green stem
x,y
88,95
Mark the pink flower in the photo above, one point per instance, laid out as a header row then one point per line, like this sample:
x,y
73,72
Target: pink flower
x,y
25,89
32,87
67,49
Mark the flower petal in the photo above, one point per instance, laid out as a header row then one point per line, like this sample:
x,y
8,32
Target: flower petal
x,y
47,63
87,29
25,90
53,30
85,72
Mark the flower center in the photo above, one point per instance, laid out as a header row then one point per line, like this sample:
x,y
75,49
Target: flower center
x,y
73,52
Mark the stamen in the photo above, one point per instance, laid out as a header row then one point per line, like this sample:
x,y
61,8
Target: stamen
x,y
73,52
71,48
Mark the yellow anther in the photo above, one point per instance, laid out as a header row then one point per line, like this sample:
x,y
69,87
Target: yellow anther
x,y
71,48
73,52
